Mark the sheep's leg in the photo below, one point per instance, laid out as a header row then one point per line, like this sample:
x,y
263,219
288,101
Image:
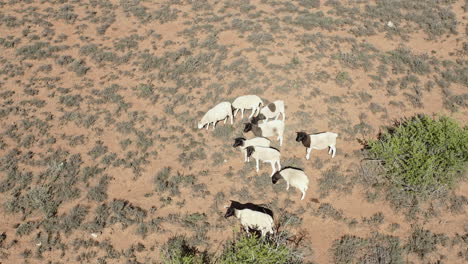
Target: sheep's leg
x,y
277,116
284,116
225,120
279,165
242,112
334,151
303,195
287,185
253,112
246,158
330,149
235,112
232,119
308,153
273,167
258,162
207,126
214,124
281,140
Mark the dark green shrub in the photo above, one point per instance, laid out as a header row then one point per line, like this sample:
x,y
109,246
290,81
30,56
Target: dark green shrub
x,y
178,251
422,155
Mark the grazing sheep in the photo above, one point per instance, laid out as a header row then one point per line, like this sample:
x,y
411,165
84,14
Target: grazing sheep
x,y
318,141
252,216
256,141
272,110
247,102
219,112
267,129
294,177
264,154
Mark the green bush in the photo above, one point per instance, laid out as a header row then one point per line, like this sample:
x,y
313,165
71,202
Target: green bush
x,y
252,249
421,154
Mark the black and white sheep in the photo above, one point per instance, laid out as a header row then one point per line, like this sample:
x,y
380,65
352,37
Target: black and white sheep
x,y
266,129
318,141
252,216
247,102
264,154
273,110
256,141
219,112
294,177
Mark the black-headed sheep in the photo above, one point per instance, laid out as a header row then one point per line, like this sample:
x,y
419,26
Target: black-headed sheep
x,y
252,216
256,141
266,129
264,154
318,141
294,177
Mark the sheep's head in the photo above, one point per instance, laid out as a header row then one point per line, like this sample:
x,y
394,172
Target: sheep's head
x,y
254,120
229,212
304,138
300,136
250,150
248,127
276,177
238,142
260,116
200,125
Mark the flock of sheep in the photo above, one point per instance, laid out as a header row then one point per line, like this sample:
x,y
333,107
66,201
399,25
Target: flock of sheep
x,y
253,216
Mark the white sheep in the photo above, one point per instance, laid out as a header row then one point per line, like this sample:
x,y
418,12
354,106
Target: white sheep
x,y
318,141
256,141
294,177
266,129
252,216
219,112
273,110
265,154
247,102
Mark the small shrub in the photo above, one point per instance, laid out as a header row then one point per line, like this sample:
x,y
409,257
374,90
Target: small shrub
x,y
422,242
378,248
251,249
177,251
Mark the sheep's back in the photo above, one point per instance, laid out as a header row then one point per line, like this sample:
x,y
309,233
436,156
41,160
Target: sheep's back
x,y
219,111
246,101
266,153
258,141
296,178
323,140
252,218
271,128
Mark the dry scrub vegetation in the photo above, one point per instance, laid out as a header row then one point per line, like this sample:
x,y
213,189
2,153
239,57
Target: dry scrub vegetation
x,y
101,161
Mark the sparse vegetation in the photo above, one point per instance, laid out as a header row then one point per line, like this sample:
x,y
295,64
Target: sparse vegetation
x,y
99,102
